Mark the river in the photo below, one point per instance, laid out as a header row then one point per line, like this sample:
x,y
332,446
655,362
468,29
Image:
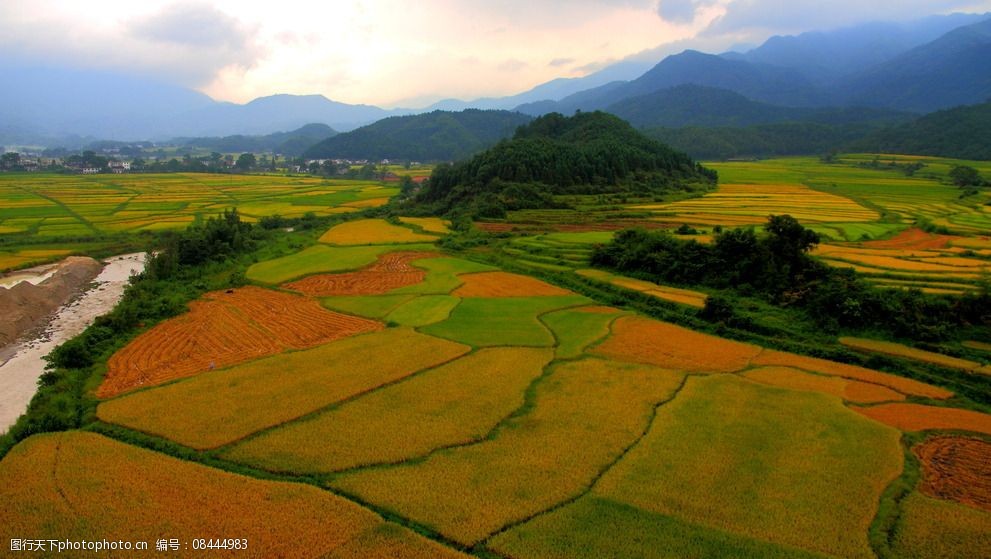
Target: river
x,y
19,374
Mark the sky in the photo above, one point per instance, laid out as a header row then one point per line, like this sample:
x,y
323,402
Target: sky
x,y
400,53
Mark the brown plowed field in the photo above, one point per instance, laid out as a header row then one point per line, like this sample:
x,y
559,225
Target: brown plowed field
x,y
503,284
391,271
958,469
223,329
490,227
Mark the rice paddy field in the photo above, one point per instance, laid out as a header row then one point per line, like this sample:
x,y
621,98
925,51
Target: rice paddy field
x,y
374,395
77,205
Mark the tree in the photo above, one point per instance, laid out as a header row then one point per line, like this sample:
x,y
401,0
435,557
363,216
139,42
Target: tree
x,y
10,160
964,176
245,161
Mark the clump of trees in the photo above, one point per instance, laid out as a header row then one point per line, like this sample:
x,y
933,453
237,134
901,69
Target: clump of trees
x,y
589,153
777,266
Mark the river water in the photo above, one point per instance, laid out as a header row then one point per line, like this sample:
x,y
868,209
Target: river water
x,y
19,374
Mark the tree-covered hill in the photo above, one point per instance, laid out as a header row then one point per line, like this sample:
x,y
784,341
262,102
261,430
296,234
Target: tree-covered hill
x,y
435,136
588,153
961,132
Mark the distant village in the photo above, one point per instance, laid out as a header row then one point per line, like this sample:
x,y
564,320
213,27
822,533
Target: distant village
x,y
141,159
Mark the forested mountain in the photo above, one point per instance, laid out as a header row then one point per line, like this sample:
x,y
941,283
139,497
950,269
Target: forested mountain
x,y
764,140
287,143
962,132
435,136
693,105
589,153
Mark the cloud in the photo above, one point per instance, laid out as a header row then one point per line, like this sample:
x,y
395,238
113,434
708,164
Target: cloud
x,y
804,15
560,62
680,11
215,40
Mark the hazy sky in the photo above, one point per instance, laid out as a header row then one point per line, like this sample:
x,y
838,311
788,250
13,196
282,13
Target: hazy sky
x,y
389,52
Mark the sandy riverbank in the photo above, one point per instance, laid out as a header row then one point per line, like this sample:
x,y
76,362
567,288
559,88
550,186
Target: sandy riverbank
x,y
19,374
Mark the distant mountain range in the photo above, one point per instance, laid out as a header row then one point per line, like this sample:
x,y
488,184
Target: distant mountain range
x,y
923,66
292,143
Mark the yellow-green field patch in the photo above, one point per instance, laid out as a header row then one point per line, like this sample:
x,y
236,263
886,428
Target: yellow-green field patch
x,y
792,468
424,310
454,403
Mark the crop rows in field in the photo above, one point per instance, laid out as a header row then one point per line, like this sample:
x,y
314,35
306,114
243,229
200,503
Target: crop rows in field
x,y
65,205
900,350
672,294
222,329
219,407
503,284
78,486
742,204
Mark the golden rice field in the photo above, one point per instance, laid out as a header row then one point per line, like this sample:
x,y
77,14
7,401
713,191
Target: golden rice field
x,y
95,488
372,232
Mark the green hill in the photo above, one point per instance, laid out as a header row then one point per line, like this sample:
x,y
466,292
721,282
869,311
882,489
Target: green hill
x,y
435,136
961,133
589,153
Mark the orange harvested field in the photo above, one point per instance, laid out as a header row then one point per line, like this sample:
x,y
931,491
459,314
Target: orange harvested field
x,y
391,271
916,417
956,468
849,390
913,239
504,284
222,329
642,340
901,384
899,350
75,485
